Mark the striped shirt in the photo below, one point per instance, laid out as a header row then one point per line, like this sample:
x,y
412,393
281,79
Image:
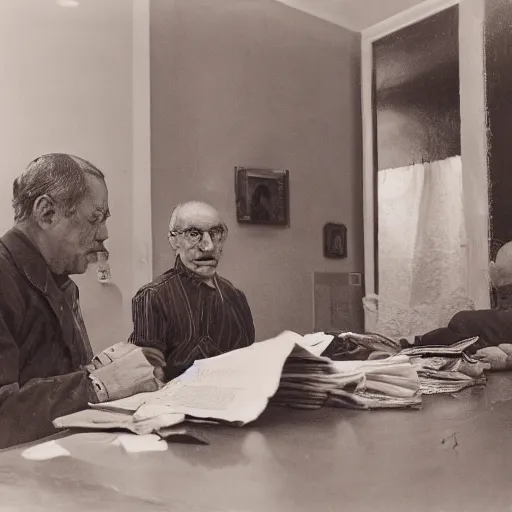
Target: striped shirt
x,y
186,319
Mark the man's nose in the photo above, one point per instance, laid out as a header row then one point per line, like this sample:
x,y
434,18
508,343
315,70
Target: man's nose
x,y
102,233
206,242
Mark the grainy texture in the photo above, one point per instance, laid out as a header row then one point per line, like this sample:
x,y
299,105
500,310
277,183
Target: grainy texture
x,y
453,455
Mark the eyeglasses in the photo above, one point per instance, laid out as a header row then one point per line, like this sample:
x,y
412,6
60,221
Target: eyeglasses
x,y
195,235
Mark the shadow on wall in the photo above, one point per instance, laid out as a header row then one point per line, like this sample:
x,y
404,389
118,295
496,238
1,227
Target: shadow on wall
x,y
104,302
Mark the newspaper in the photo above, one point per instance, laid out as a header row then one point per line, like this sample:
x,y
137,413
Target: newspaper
x,y
353,346
96,419
234,387
391,382
456,349
237,386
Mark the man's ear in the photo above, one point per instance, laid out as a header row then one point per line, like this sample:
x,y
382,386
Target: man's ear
x,y
173,241
44,211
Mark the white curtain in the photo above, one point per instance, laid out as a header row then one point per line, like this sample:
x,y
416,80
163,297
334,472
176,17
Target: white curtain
x,y
422,247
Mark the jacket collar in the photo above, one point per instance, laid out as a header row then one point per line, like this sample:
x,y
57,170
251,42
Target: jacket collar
x,y
30,263
28,259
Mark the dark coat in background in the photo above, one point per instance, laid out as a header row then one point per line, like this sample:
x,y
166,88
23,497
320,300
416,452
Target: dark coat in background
x,y
492,326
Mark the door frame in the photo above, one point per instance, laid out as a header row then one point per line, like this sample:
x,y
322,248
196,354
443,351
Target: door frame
x,y
141,146
473,137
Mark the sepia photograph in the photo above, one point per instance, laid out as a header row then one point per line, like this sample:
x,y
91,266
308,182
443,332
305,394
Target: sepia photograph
x,y
328,328
335,240
262,196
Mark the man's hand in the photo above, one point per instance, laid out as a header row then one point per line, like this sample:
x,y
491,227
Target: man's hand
x,y
124,370
499,358
157,359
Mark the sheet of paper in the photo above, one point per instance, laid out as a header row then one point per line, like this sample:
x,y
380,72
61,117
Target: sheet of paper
x,y
45,451
96,419
145,443
454,349
357,366
316,343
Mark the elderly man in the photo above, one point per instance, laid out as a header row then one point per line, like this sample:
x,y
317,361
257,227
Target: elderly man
x,y
60,211
190,312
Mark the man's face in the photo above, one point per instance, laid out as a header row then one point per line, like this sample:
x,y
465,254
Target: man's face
x,y
78,238
197,240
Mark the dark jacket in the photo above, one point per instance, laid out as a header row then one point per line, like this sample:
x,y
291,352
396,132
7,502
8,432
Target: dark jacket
x,y
492,326
42,345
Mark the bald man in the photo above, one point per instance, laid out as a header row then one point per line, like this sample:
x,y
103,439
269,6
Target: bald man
x,y
492,326
190,312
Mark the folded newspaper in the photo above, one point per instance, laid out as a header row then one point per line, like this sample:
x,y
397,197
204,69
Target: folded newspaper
x,y
440,368
389,383
237,386
447,369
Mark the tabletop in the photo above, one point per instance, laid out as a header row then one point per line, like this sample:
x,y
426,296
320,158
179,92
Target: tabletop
x,y
455,454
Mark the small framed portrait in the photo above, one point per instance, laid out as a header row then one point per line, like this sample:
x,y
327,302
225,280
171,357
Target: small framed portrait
x,y
262,196
335,240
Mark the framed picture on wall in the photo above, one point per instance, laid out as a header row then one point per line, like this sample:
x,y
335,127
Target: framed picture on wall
x,y
335,240
262,196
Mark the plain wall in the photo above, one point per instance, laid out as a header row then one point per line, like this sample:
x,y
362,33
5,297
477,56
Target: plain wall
x,y
254,83
67,87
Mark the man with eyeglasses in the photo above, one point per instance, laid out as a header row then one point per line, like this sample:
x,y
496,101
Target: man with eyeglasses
x,y
47,367
190,312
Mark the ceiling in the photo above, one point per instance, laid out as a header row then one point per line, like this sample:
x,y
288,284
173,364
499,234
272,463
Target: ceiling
x,y
355,15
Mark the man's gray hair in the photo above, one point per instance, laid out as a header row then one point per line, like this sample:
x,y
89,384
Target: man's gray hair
x,y
174,220
58,175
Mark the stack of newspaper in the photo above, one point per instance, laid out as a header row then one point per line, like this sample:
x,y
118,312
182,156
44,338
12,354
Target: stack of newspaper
x,y
375,384
294,371
309,383
447,369
236,387
305,381
441,369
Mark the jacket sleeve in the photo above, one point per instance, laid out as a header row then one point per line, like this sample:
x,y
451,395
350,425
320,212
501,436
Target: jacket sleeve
x,y
27,412
492,326
149,325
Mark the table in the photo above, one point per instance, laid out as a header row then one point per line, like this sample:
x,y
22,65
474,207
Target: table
x,y
453,455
